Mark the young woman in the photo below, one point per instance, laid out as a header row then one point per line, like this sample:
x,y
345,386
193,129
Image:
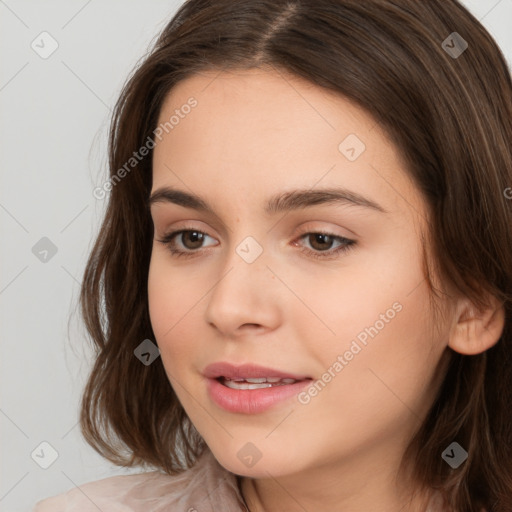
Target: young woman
x,y
301,291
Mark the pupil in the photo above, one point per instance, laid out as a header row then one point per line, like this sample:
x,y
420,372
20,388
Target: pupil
x,y
321,237
195,237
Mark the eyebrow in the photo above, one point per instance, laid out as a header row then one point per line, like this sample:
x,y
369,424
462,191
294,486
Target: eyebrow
x,y
283,202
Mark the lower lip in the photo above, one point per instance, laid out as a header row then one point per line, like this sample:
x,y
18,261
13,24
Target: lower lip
x,y
252,401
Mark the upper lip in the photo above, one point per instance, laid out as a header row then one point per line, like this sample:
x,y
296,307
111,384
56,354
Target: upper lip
x,y
246,371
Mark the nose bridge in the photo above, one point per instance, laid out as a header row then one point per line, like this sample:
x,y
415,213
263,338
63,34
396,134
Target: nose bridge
x,y
244,266
242,293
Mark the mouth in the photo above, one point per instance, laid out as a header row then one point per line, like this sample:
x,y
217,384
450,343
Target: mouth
x,y
251,389
255,383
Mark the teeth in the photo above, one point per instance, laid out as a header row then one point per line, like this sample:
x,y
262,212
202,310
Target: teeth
x,y
256,383
245,385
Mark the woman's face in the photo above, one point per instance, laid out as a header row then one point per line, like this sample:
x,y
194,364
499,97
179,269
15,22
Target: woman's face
x,y
346,313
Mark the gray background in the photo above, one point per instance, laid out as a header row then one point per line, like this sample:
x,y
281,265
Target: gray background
x,y
54,122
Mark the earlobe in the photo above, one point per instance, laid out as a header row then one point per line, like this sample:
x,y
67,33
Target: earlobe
x,y
475,331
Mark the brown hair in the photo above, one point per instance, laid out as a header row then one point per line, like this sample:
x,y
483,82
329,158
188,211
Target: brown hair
x,y
449,115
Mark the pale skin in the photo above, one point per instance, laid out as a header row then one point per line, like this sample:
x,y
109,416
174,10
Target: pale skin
x,y
254,134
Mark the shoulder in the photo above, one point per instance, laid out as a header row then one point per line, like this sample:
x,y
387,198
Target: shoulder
x,y
106,492
205,487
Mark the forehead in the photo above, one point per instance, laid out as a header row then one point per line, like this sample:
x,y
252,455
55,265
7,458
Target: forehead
x,y
259,130
265,101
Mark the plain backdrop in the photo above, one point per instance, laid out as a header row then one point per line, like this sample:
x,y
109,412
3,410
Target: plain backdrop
x,y
55,109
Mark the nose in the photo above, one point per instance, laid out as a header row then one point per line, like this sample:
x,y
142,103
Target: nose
x,y
245,297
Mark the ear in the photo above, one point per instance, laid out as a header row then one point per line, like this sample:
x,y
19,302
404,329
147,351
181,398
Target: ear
x,y
474,331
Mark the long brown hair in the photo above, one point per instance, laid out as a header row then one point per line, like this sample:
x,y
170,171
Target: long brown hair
x,y
448,109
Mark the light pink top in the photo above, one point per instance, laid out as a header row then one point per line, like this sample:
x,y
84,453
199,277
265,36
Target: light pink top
x,y
206,487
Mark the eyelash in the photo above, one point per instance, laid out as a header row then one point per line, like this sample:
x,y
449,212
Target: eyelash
x,y
347,244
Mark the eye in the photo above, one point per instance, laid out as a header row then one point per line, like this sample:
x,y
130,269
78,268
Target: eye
x,y
191,239
321,243
318,241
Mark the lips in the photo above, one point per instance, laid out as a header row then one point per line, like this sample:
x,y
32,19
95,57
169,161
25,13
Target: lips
x,y
247,371
251,389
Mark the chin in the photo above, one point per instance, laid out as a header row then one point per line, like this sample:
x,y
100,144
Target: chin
x,y
245,459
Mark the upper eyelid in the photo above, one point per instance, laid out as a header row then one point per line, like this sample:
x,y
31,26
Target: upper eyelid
x,y
186,226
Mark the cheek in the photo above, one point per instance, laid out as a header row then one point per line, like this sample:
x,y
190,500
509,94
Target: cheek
x,y
176,295
387,363
160,298
377,292
169,298
381,315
